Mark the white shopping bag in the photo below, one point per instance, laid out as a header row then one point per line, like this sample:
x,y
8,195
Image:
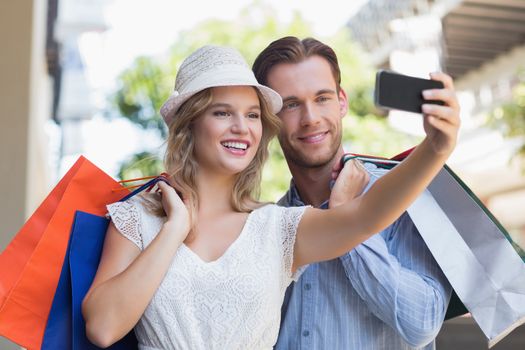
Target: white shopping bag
x,y
474,251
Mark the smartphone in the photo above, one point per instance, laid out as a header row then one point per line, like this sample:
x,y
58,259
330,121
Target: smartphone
x,y
398,91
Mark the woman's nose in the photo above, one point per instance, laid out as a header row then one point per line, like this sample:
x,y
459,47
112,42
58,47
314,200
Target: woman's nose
x,y
239,125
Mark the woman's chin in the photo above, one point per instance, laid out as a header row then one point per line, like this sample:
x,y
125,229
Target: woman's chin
x,y
235,169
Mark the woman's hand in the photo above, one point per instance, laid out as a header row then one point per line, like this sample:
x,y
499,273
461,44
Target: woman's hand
x,y
176,211
350,181
441,123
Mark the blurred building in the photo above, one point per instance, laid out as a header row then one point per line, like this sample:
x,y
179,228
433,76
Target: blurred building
x,y
43,96
27,66
76,104
26,98
481,43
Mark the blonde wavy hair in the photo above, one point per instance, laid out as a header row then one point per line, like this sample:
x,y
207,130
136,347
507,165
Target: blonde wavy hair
x,y
182,167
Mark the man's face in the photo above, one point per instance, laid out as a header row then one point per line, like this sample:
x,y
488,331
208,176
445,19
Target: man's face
x,y
312,110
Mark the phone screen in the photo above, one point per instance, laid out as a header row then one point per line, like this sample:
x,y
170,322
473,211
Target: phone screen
x,y
397,91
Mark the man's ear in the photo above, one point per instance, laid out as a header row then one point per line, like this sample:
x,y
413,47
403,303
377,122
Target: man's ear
x,y
343,102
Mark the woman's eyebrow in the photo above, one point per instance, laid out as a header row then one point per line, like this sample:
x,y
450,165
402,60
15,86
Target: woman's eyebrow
x,y
227,105
220,104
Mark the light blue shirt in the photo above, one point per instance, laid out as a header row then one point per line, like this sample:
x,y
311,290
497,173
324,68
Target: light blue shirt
x,y
387,293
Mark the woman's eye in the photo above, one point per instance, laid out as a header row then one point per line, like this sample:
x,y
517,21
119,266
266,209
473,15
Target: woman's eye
x,y
253,116
221,113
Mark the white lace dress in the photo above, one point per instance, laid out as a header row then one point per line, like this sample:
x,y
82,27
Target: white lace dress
x,y
233,302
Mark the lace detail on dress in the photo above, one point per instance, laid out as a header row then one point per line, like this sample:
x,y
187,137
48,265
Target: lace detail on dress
x,y
290,220
233,302
126,217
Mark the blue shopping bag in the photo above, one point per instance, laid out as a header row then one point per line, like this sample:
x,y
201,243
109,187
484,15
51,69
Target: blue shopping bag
x,y
65,328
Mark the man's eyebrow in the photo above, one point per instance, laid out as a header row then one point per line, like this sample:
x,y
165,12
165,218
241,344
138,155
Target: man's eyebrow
x,y
319,92
326,91
290,98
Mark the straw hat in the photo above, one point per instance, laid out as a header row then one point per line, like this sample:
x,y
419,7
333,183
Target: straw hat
x,y
212,66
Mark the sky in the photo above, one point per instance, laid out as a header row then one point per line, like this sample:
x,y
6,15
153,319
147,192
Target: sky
x,y
130,28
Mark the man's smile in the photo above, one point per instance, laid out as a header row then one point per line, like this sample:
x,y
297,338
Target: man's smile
x,y
314,138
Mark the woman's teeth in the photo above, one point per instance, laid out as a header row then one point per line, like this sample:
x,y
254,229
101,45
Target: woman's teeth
x,y
236,145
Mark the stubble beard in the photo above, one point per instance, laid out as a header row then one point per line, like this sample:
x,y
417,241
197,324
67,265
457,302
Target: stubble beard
x,y
301,159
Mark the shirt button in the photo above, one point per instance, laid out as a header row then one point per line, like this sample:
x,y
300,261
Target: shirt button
x,y
307,286
306,333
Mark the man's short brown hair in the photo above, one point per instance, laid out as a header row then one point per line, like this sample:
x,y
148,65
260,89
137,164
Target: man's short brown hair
x,y
291,49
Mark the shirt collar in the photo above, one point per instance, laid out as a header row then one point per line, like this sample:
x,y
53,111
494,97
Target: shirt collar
x,y
295,199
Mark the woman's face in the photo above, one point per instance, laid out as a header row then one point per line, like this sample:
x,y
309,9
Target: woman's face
x,y
228,133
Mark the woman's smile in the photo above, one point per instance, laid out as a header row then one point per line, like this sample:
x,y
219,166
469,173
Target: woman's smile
x,y
236,147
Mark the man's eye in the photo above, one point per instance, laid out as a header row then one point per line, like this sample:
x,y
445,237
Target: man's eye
x,y
221,113
323,98
291,105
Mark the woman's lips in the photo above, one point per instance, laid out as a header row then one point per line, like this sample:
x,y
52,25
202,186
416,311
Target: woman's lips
x,y
238,148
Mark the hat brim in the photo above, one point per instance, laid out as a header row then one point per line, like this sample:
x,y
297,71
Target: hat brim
x,y
173,103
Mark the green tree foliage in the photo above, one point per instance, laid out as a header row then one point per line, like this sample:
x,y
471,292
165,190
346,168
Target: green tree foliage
x,y
149,81
142,91
510,117
141,164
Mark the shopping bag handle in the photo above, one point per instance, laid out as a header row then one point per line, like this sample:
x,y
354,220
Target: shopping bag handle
x,y
147,185
368,159
375,159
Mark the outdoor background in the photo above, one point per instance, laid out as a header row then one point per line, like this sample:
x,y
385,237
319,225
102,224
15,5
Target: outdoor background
x,y
87,77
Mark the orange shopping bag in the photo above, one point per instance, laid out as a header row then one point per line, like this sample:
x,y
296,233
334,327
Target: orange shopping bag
x,y
30,266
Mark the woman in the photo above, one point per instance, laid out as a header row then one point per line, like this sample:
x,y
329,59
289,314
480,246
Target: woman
x,y
211,272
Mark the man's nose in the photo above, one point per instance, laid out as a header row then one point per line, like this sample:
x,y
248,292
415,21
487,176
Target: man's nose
x,y
310,116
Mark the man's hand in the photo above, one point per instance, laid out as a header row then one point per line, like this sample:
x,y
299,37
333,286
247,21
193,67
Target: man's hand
x,y
441,123
350,181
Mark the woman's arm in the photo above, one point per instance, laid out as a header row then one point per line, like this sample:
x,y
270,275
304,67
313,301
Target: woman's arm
x,y
127,278
327,234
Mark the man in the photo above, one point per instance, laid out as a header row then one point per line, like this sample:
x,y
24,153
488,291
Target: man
x,y
387,293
